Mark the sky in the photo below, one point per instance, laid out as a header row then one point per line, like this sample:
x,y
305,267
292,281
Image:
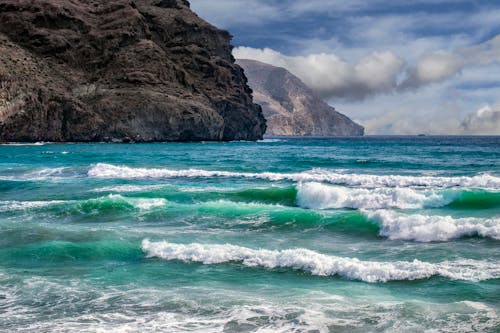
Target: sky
x,y
396,67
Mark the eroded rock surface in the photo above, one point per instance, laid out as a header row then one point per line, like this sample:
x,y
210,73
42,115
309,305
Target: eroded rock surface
x,y
141,70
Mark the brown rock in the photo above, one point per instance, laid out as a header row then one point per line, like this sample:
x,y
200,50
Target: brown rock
x,y
122,70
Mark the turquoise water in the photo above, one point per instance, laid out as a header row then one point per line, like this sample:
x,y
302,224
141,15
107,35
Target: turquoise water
x,y
375,234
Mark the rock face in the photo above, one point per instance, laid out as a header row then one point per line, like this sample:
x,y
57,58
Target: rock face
x,y
290,107
121,70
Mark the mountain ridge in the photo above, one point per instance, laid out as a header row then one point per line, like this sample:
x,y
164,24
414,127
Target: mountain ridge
x,y
290,107
142,70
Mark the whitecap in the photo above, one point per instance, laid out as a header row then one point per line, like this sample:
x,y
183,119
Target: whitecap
x,y
25,143
103,170
127,188
323,265
427,228
138,203
7,206
321,196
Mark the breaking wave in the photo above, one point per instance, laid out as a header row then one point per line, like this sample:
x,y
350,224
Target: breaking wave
x,y
321,196
426,228
110,203
323,265
102,170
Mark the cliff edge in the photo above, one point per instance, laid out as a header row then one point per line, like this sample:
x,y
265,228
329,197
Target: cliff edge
x,y
290,107
122,70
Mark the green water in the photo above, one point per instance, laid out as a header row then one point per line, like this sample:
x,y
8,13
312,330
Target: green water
x,y
375,234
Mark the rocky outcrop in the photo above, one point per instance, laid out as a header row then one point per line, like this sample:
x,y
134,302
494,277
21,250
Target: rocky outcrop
x,y
121,70
290,107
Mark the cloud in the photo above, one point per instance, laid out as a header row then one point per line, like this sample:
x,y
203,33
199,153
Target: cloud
x,y
378,73
416,68
485,121
331,76
435,67
484,53
440,66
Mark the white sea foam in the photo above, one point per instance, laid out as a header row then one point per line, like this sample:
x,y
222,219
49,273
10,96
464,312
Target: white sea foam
x,y
271,140
139,203
7,206
147,204
127,188
323,265
25,144
321,196
425,228
45,173
102,170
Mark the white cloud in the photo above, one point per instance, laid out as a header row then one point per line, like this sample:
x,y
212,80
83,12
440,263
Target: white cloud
x,y
378,73
441,65
485,121
397,69
331,76
435,67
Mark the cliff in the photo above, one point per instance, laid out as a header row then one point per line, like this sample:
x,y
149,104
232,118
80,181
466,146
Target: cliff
x,y
290,107
122,70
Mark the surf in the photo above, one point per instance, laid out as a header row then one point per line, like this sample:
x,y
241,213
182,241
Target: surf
x,y
103,170
319,264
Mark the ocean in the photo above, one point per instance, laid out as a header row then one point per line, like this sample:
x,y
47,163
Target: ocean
x,y
369,234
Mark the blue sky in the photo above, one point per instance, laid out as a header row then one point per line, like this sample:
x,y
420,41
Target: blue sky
x,y
422,66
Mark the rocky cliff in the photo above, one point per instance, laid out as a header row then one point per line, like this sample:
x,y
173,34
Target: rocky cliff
x,y
121,70
290,107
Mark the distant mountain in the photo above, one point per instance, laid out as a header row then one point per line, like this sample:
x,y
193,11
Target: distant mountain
x,y
290,107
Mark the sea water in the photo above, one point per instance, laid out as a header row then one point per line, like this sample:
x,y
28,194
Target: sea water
x,y
374,234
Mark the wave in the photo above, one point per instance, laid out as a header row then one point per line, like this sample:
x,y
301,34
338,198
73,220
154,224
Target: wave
x,y
58,250
425,228
128,188
110,203
8,206
116,202
321,196
273,194
323,265
102,170
25,144
39,175
478,199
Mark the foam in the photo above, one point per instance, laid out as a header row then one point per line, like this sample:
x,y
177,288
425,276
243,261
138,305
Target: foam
x,y
103,170
271,140
147,204
321,196
7,206
25,144
138,203
425,228
127,188
47,172
322,265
